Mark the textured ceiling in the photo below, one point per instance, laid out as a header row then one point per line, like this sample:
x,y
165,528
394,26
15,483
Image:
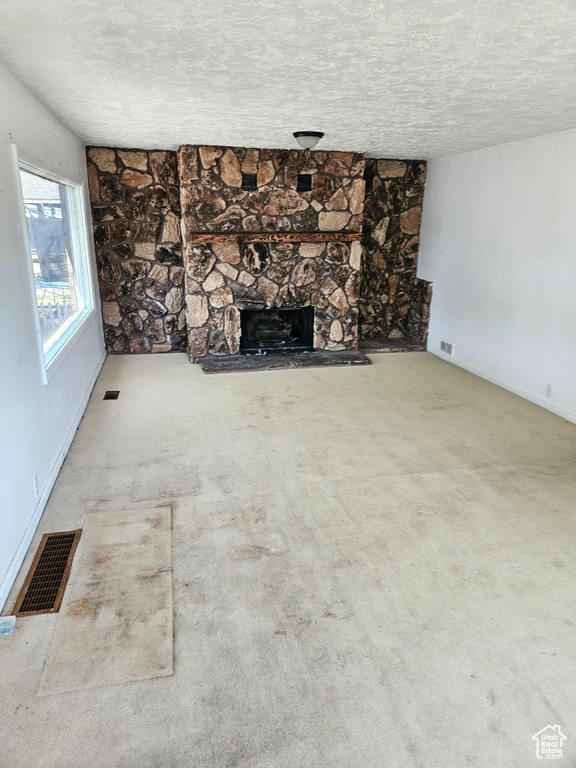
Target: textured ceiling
x,y
392,78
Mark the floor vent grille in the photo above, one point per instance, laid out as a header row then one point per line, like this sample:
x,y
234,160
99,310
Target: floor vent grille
x,y
46,581
111,394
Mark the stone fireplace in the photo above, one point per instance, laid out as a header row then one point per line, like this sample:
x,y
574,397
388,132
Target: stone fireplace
x,y
273,247
188,241
273,331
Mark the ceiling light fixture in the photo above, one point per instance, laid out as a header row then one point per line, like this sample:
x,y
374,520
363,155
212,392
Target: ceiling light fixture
x,y
308,139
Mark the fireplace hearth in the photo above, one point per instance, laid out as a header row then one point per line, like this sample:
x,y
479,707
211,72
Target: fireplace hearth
x,y
276,331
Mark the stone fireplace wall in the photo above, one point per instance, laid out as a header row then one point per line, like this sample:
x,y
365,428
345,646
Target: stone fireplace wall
x,y
135,199
224,277
393,302
213,200
158,216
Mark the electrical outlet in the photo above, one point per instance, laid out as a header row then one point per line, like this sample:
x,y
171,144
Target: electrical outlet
x,y
548,390
36,486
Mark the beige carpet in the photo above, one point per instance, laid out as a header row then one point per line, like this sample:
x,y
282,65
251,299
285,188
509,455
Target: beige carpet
x,y
115,623
373,568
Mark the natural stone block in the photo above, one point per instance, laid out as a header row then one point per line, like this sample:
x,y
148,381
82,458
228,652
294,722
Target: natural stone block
x,y
102,213
338,201
380,231
355,193
135,268
171,229
228,270
214,280
336,164
198,341
140,345
255,257
250,162
168,254
111,313
115,340
268,289
410,220
174,300
393,282
136,179
266,173
228,252
137,160
196,310
289,296
104,158
304,272
251,224
164,167
333,221
245,278
132,324
153,306
232,329
177,275
229,221
356,255
311,250
390,169
337,253
199,261
158,198
93,186
336,333
221,297
230,169
338,299
146,230
145,250
158,273
155,332
188,164
209,155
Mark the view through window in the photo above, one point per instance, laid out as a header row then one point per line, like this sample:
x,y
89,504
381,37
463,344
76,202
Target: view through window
x,y
50,211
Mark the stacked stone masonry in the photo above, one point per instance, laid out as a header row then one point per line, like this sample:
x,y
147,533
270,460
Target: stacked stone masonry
x,y
136,215
224,278
393,302
163,291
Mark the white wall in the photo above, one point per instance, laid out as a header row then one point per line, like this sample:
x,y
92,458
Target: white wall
x,y
37,421
499,244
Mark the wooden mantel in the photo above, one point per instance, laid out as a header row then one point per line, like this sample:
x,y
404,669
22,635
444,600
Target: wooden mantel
x,y
273,237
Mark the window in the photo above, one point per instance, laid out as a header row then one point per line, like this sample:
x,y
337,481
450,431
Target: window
x,y
57,243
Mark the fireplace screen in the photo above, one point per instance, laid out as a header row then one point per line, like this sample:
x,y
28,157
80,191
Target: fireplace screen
x,y
272,331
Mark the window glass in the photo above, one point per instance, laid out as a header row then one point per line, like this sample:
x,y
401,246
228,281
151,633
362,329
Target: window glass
x,y
50,209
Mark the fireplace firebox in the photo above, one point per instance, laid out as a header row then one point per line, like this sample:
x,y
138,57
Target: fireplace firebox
x,y
274,331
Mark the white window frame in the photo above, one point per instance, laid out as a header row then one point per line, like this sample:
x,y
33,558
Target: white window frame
x,y
83,272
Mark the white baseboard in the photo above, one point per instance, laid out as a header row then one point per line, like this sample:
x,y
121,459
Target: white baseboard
x,y
510,387
18,558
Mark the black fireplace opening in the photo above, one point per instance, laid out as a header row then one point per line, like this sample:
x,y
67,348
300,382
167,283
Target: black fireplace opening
x,y
274,331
